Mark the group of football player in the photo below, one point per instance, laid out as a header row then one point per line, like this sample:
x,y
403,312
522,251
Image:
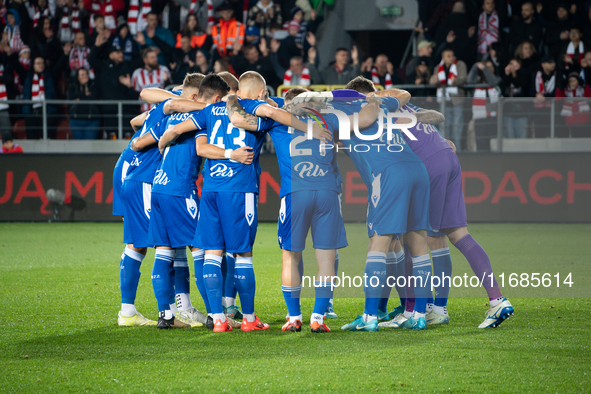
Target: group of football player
x,y
415,203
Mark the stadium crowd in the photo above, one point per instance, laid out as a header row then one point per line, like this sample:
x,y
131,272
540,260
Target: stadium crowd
x,y
112,49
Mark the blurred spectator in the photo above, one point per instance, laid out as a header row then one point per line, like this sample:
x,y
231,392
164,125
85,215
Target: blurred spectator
x,y
586,23
573,52
425,51
263,15
544,80
575,112
84,121
497,53
515,112
488,27
557,32
8,145
203,9
199,39
106,8
339,72
12,31
586,68
152,75
251,60
175,14
68,16
38,87
440,14
6,82
45,44
290,47
484,103
527,28
458,34
383,74
421,75
78,57
451,73
228,33
183,60
221,65
156,36
113,79
297,74
201,64
99,27
528,56
124,40
40,9
297,15
252,35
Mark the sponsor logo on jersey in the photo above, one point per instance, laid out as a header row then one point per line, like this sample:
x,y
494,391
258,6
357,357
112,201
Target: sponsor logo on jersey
x,y
221,170
135,162
161,178
307,169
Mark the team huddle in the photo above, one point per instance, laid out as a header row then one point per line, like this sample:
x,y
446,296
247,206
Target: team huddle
x,y
220,123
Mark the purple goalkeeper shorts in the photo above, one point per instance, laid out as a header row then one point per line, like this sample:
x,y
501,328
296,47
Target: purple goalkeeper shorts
x,y
447,208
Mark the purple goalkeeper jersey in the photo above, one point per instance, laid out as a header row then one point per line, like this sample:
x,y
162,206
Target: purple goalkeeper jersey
x,y
429,141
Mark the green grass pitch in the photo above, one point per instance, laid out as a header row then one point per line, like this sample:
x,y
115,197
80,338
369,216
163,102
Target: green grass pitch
x,y
59,287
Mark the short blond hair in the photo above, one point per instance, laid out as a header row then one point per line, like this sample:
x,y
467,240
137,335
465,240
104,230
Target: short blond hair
x,y
193,80
250,78
230,80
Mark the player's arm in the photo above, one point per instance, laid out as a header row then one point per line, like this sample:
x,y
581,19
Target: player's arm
x,y
402,95
368,114
174,132
238,116
243,155
182,105
138,121
430,116
139,143
156,95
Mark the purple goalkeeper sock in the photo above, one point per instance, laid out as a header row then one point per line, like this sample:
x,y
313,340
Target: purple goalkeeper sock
x,y
480,264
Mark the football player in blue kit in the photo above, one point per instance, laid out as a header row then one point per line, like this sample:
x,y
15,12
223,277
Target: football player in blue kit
x,y
137,195
309,200
228,201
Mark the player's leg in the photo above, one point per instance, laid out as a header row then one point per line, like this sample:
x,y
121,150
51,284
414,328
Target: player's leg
x,y
394,270
229,292
239,226
162,271
330,313
441,280
323,289
291,286
387,289
500,307
137,201
209,236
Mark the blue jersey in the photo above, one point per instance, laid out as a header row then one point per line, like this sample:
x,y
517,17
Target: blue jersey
x,y
279,100
228,175
179,167
144,164
125,157
378,152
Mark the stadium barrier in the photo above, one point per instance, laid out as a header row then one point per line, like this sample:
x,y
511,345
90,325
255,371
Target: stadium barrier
x,y
515,187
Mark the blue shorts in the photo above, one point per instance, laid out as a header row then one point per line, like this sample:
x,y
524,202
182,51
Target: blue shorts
x,y
227,221
319,210
118,177
173,221
137,198
399,200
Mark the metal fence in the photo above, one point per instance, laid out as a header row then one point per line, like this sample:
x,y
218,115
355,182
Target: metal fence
x,y
507,117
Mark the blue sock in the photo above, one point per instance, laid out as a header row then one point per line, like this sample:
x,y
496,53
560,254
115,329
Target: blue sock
x,y
336,262
245,283
441,269
161,280
228,267
198,264
421,270
172,279
182,282
399,272
212,277
322,293
375,267
390,272
291,295
129,274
